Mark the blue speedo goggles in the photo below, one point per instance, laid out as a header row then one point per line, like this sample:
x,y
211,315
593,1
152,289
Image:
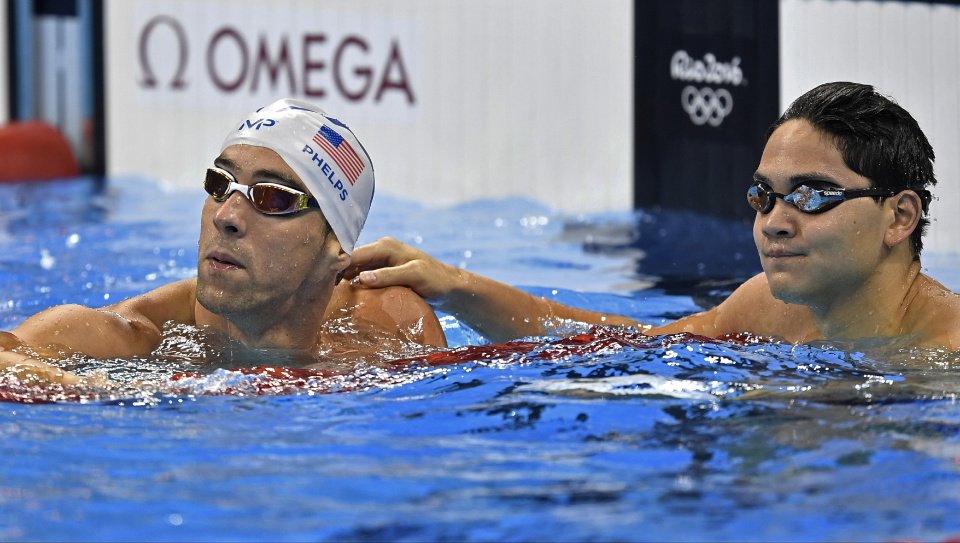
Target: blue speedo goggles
x,y
812,200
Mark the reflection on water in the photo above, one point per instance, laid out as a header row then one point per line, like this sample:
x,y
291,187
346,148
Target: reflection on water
x,y
589,434
605,433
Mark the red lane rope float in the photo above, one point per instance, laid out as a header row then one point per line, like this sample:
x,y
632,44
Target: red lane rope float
x,y
280,380
35,151
598,339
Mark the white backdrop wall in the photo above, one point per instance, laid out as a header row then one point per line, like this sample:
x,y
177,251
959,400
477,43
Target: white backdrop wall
x,y
910,51
453,100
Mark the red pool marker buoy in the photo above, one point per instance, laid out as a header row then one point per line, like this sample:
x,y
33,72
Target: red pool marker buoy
x,y
35,151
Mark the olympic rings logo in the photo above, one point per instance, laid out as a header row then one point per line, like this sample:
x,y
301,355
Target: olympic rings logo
x,y
706,106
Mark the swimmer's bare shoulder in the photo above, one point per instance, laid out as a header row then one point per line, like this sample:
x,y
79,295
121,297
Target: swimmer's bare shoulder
x,y
127,328
933,316
172,302
395,310
750,308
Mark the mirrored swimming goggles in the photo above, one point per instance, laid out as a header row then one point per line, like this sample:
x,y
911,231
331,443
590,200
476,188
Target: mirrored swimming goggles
x,y
267,198
808,199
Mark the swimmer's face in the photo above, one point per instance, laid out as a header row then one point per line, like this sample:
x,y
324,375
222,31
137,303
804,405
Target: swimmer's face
x,y
263,265
815,259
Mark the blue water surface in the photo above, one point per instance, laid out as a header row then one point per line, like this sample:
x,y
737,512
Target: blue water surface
x,y
660,439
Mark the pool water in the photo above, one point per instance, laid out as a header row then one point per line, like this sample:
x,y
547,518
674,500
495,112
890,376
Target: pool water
x,y
589,434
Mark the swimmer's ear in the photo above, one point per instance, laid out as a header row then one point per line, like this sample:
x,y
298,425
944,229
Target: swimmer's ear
x,y
340,265
906,209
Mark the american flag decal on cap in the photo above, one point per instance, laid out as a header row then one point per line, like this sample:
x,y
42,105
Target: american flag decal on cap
x,y
341,152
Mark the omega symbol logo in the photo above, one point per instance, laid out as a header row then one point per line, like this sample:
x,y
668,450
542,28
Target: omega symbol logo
x,y
149,80
705,105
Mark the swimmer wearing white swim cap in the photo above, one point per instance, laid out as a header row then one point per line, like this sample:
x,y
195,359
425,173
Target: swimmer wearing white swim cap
x,y
324,152
288,196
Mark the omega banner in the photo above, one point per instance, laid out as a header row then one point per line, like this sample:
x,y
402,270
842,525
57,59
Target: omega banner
x,y
707,88
453,100
346,67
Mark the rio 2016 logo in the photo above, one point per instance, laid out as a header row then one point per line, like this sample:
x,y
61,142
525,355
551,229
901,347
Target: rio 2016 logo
x,y
706,105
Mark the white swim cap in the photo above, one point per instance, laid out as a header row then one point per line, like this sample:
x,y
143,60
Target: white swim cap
x,y
326,155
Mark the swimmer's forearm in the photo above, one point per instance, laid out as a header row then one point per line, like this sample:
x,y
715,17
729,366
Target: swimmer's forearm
x,y
30,371
498,311
501,312
26,369
495,310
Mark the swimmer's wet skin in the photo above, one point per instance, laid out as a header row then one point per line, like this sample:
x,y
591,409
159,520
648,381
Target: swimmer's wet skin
x,y
289,194
806,292
841,195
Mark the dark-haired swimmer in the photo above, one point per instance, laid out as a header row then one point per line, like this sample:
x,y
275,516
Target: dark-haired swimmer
x,y
841,195
289,193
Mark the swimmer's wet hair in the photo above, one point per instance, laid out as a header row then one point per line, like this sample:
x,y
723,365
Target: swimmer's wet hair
x,y
876,137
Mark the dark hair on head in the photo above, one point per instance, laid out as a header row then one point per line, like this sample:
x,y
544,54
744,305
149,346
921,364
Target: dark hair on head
x,y
876,137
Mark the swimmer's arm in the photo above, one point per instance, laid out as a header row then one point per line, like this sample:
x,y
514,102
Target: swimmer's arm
x,y
501,312
128,328
99,333
498,311
60,331
27,369
753,309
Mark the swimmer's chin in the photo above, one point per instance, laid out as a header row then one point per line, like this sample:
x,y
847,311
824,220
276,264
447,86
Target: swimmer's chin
x,y
212,299
786,290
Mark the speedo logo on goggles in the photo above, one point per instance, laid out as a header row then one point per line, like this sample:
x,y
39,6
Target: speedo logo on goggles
x,y
809,199
343,155
267,198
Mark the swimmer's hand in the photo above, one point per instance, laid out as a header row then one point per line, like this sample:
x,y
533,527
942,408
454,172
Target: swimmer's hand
x,y
30,371
388,262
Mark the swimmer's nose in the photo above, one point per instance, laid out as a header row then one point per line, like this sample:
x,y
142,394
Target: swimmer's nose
x,y
231,215
779,222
